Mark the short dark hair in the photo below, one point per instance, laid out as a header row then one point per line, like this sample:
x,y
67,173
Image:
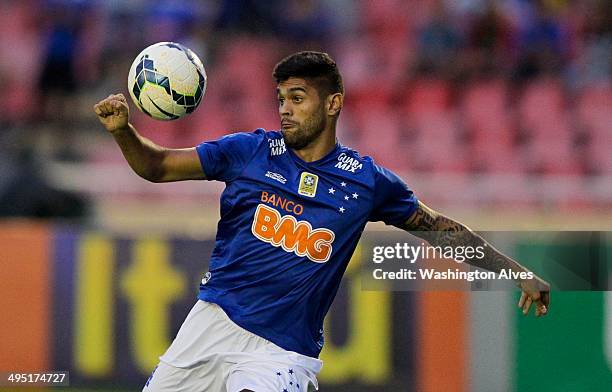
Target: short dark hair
x,y
318,66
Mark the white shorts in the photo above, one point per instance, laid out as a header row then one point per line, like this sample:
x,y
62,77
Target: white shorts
x,y
211,353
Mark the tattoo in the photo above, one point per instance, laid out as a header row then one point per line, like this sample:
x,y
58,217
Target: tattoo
x,y
424,218
440,230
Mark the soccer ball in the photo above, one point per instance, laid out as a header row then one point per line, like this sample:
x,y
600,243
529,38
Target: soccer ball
x,y
167,81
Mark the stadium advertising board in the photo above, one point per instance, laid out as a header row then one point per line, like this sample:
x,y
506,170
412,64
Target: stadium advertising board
x,y
104,307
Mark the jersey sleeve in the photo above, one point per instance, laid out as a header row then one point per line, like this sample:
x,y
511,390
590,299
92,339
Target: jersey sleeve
x,y
225,158
394,202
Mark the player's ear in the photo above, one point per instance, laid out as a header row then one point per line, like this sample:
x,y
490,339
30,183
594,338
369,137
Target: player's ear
x,y
334,104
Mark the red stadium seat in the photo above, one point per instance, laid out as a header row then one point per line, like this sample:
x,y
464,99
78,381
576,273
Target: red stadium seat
x,y
242,95
594,115
437,145
594,105
390,16
550,141
166,133
485,106
427,97
371,68
379,135
494,155
594,109
21,51
542,102
436,142
486,119
552,150
599,153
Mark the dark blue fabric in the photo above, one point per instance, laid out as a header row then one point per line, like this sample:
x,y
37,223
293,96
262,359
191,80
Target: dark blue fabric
x,y
280,287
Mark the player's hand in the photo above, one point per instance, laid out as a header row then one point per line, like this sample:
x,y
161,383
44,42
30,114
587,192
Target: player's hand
x,y
113,112
535,291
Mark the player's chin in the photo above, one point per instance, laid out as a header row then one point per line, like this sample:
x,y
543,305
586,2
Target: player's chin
x,y
289,131
292,138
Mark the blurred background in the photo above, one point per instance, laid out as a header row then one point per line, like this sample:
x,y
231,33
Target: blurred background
x,y
498,113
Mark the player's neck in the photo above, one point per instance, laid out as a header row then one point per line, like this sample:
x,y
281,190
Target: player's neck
x,y
319,148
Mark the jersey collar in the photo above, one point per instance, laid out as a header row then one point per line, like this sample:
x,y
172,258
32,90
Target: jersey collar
x,y
328,156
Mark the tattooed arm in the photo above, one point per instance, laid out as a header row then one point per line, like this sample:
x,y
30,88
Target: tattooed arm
x,y
439,230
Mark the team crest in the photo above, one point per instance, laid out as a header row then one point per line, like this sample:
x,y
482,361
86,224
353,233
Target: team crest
x,y
308,184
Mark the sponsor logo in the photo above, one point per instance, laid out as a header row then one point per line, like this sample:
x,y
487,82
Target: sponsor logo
x,y
308,184
276,176
277,146
282,203
292,235
348,164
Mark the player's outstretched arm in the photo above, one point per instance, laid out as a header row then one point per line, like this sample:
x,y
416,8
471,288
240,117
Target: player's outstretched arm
x,y
147,159
440,230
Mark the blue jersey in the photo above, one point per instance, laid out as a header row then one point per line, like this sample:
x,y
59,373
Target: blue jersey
x,y
288,229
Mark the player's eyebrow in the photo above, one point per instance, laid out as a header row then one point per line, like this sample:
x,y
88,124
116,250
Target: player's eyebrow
x,y
293,89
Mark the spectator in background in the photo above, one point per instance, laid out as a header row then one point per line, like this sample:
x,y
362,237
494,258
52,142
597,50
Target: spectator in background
x,y
304,23
490,41
595,66
168,20
439,43
541,44
57,79
250,16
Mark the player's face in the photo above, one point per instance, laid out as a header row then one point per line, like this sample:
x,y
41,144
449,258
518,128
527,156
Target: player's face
x,y
302,113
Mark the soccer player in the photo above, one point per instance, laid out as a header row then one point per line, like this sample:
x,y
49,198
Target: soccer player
x,y
295,204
